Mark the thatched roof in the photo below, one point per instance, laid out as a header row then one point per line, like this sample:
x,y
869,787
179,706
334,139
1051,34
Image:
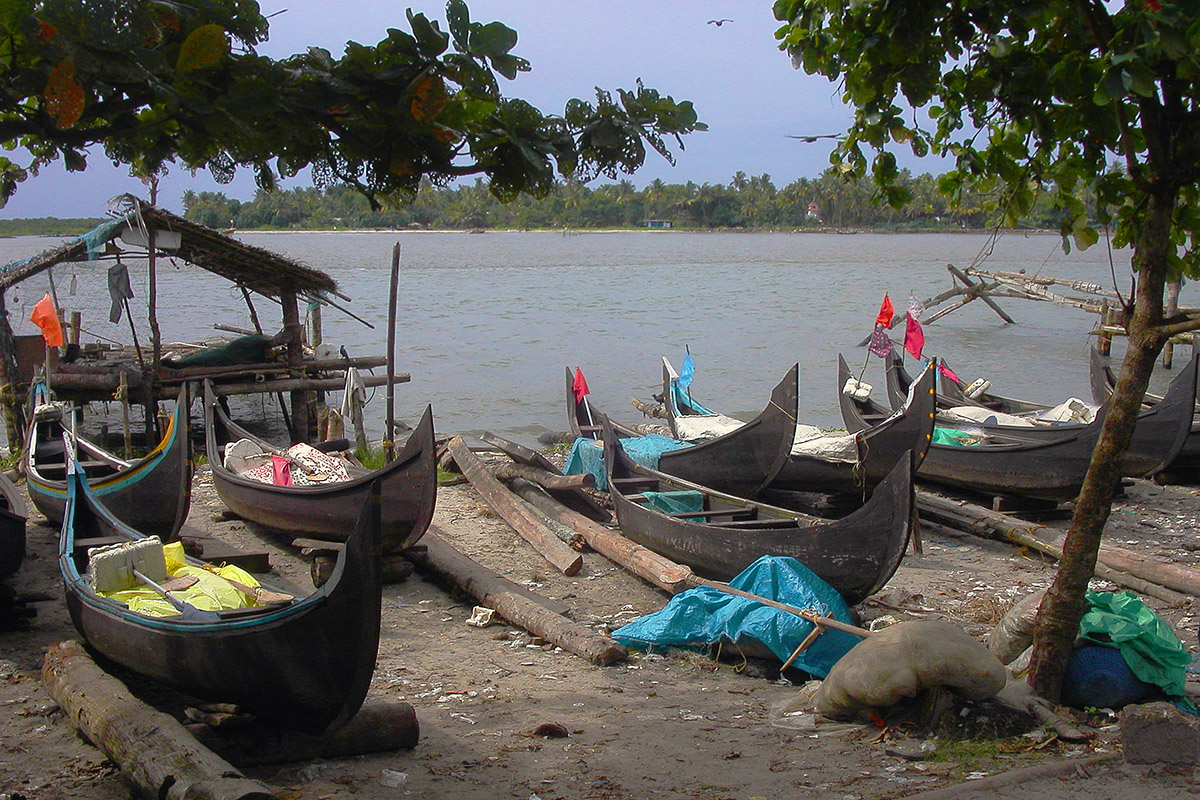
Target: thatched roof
x,y
256,269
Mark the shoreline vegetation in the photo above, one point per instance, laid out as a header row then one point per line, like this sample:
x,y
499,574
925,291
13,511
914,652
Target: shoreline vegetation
x,y
827,204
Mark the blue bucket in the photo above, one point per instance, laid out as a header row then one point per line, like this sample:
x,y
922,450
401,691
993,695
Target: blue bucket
x,y
1099,677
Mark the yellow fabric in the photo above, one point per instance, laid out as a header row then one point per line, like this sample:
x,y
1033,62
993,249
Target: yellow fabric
x,y
211,592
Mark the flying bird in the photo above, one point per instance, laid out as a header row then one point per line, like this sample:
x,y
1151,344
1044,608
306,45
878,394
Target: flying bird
x,y
811,139
719,22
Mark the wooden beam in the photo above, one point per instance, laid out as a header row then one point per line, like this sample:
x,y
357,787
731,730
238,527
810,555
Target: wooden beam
x,y
508,506
518,607
957,273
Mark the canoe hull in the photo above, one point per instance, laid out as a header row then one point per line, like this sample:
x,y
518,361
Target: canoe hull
x,y
305,666
408,489
856,555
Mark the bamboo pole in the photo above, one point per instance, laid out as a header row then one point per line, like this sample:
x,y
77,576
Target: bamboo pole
x,y
389,438
14,410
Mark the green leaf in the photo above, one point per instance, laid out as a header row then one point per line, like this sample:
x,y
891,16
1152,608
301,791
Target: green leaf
x,y
493,40
431,41
204,47
458,17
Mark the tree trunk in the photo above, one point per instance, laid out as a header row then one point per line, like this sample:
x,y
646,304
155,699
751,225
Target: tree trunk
x,y
1065,603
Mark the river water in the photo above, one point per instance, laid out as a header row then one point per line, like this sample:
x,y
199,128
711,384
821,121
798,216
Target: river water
x,y
488,322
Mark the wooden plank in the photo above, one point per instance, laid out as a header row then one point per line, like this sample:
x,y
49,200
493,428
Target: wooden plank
x,y
519,608
153,751
508,506
956,272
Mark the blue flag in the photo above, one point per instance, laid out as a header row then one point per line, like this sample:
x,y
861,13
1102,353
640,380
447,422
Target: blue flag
x,y
687,371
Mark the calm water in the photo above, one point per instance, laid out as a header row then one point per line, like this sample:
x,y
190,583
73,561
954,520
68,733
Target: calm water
x,y
488,322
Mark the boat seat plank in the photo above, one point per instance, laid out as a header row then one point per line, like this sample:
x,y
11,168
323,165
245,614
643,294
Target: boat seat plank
x,y
720,512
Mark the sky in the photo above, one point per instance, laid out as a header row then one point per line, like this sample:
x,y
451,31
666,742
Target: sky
x,y
743,87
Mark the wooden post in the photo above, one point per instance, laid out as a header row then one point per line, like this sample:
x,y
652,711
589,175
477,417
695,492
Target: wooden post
x,y
123,392
360,429
295,360
76,324
390,433
1104,339
1170,309
14,410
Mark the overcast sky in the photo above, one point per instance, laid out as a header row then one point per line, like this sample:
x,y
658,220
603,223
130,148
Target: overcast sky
x,y
742,86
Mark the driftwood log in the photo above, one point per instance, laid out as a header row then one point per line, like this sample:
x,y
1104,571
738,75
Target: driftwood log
x,y
509,507
380,725
517,604
153,751
575,499
544,478
1168,582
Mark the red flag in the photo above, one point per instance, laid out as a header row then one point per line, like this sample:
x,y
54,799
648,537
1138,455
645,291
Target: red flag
x,y
949,373
579,386
46,317
914,337
885,313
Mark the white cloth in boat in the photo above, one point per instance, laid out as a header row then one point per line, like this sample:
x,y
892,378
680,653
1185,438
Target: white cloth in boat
x,y
812,442
700,427
1071,410
248,459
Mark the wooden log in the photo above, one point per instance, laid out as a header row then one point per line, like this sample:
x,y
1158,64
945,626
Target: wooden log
x,y
1164,581
544,478
394,568
519,607
649,409
525,490
504,503
956,272
153,751
575,499
381,725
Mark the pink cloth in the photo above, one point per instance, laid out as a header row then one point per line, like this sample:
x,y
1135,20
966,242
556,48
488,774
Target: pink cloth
x,y
281,471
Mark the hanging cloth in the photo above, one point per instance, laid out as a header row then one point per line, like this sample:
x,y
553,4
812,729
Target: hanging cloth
x,y
119,290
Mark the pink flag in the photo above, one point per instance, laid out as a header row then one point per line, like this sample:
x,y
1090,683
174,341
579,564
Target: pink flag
x,y
914,337
579,386
949,373
885,313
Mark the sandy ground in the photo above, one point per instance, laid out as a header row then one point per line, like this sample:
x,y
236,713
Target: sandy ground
x,y
674,726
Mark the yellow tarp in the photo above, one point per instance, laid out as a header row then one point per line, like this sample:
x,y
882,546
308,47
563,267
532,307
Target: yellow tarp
x,y
211,592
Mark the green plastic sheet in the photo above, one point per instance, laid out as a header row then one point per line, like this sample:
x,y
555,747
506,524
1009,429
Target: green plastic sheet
x,y
1148,645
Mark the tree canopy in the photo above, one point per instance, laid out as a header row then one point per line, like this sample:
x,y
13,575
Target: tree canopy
x,y
155,82
1029,96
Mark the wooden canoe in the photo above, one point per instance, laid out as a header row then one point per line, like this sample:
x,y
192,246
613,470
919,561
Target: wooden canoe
x,y
304,664
877,449
152,494
951,393
1186,466
408,486
12,526
856,555
1052,467
740,462
1144,457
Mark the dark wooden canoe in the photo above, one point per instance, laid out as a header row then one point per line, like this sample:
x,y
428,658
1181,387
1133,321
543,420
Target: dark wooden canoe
x,y
12,526
878,448
584,420
328,511
304,664
856,555
1051,467
1186,466
744,461
152,494
1142,459
741,462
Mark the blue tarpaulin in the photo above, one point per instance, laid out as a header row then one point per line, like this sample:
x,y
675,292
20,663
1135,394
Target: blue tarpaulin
x,y
703,616
587,455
